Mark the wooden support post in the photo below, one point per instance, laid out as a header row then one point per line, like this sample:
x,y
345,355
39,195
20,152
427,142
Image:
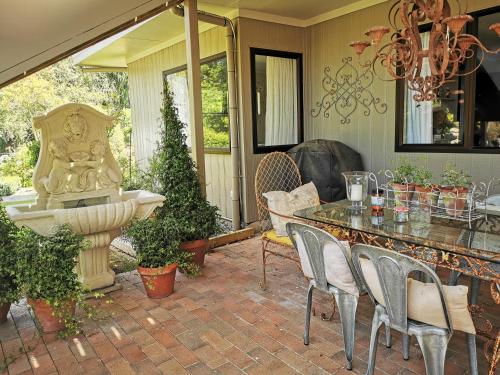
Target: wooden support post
x,y
194,87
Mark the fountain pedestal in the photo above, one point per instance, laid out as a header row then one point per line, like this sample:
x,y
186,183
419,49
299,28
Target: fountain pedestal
x,y
78,183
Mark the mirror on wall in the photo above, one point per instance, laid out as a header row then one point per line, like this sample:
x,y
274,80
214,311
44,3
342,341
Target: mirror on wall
x,y
276,99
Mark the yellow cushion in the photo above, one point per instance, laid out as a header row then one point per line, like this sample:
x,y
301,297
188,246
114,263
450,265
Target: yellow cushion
x,y
272,236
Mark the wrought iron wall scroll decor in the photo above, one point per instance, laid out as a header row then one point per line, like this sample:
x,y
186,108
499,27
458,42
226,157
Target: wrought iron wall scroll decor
x,y
347,89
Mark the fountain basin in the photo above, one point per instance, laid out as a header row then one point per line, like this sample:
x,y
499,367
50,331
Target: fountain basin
x,y
100,224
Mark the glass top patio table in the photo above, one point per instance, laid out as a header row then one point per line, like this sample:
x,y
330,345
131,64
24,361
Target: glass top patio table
x,y
423,230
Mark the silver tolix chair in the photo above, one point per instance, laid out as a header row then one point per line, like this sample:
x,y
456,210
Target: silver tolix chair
x,y
314,241
392,270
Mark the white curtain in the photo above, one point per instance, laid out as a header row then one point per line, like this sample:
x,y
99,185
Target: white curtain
x,y
177,84
281,101
419,114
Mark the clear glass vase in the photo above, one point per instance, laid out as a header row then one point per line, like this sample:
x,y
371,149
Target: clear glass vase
x,y
356,183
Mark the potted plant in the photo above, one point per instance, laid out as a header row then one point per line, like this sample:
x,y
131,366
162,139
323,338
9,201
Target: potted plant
x,y
426,191
403,182
158,256
9,291
192,220
454,189
46,274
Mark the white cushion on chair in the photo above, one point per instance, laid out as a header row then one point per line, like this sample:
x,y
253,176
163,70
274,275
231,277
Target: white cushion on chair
x,y
286,204
337,270
424,303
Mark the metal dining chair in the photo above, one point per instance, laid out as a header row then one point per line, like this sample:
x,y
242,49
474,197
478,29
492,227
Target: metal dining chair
x,y
392,270
314,241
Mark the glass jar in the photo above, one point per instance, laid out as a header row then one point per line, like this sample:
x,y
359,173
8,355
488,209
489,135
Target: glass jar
x,y
401,214
377,200
377,218
356,188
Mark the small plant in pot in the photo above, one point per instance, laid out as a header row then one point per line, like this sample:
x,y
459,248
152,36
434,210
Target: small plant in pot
x,y
426,191
158,256
46,274
403,183
9,291
191,219
454,190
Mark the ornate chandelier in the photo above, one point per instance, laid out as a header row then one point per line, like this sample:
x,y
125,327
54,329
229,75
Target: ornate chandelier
x,y
425,68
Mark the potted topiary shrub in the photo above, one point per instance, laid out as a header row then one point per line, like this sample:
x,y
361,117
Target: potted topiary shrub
x,y
454,189
403,183
191,219
158,256
9,291
427,193
46,274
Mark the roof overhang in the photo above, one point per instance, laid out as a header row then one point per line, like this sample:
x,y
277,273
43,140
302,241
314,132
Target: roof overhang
x,y
35,34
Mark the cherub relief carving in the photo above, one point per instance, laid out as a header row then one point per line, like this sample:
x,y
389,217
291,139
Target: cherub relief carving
x,y
61,178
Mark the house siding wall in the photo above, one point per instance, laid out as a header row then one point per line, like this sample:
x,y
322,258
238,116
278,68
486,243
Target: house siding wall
x,y
146,86
253,33
373,136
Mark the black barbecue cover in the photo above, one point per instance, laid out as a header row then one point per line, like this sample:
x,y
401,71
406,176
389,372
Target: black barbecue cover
x,y
322,162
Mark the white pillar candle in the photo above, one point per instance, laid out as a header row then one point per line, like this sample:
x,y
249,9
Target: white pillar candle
x,y
356,192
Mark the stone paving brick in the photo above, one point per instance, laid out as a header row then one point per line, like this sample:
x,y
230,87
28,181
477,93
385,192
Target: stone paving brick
x,y
209,356
172,367
157,353
120,367
215,340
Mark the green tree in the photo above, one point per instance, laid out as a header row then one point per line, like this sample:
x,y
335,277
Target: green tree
x,y
187,214
43,91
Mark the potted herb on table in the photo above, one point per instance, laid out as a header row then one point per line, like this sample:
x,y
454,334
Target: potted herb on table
x,y
427,193
46,274
454,189
158,256
192,220
403,183
9,291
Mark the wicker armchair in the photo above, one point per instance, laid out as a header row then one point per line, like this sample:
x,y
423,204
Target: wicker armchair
x,y
276,172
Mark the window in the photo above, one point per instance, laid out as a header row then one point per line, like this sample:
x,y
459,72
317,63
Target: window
x,y
276,99
214,101
466,123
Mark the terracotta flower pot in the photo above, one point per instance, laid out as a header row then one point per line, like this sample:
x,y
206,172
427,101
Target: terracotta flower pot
x,y
454,199
47,317
4,310
427,197
198,248
158,282
403,193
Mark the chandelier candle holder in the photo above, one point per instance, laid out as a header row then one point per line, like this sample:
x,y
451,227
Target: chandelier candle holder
x,y
406,57
356,188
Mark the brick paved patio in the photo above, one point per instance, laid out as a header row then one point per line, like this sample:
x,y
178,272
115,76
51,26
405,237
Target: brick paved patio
x,y
218,323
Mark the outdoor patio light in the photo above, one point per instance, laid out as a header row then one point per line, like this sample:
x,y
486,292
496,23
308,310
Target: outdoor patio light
x,y
425,63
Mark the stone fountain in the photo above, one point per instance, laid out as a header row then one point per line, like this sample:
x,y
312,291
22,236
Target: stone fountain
x,y
77,181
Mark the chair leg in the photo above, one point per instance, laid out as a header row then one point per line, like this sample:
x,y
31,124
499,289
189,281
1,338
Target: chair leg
x,y
376,323
471,339
406,346
453,278
308,314
388,338
263,283
347,304
434,351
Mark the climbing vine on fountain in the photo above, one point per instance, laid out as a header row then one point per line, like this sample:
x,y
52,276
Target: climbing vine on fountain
x,y
186,212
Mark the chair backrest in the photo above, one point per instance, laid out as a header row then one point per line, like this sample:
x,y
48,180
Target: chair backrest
x,y
392,270
276,172
315,240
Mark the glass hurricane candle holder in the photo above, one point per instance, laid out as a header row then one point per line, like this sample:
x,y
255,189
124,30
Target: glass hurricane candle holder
x,y
356,183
